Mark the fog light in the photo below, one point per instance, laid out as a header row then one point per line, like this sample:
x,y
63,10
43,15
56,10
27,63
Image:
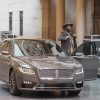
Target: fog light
x,y
79,82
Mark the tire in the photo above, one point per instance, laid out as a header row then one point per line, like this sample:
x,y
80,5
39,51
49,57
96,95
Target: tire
x,y
98,76
13,84
75,93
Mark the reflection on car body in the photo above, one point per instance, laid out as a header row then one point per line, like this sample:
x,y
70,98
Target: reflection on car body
x,y
38,65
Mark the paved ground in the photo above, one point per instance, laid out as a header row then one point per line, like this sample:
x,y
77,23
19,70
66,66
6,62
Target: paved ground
x,y
91,91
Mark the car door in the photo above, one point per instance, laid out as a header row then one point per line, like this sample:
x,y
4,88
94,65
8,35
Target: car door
x,y
5,59
85,54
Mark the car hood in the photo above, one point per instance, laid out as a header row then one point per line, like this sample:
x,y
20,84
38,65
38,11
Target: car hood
x,y
51,62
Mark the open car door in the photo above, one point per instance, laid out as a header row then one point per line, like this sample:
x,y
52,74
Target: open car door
x,y
86,55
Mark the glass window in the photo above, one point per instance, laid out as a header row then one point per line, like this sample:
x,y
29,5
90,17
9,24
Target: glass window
x,y
17,51
56,50
9,47
86,49
39,48
21,22
33,48
3,46
10,21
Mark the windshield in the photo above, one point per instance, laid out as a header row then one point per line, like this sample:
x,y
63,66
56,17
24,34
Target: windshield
x,y
37,48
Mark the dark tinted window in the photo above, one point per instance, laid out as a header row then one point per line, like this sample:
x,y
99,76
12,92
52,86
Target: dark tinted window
x,y
87,49
10,21
21,22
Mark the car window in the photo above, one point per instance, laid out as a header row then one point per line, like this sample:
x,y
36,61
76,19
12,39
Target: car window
x,y
9,47
3,46
86,49
17,51
56,50
40,48
33,48
97,46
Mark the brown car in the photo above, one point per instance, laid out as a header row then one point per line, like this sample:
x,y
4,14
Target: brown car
x,y
38,65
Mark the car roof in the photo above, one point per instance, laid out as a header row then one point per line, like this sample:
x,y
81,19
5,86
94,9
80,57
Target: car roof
x,y
19,38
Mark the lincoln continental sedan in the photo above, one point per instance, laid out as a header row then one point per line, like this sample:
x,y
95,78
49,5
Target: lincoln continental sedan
x,y
38,65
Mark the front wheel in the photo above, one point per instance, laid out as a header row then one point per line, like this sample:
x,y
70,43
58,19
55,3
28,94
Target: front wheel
x,y
13,84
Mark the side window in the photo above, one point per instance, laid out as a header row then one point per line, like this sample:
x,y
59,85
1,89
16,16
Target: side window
x,y
9,47
3,46
84,48
80,49
87,49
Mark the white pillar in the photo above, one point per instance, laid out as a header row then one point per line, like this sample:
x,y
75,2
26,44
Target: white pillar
x,y
60,16
80,21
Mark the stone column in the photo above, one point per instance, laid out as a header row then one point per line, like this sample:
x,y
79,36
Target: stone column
x,y
45,18
80,20
89,16
60,16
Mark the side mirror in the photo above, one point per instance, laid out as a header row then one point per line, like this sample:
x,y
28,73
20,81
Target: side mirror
x,y
79,54
5,53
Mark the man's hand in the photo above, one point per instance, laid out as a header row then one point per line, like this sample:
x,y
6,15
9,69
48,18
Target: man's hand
x,y
67,37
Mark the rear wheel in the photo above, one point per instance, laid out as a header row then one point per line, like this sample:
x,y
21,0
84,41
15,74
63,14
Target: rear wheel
x,y
13,84
98,76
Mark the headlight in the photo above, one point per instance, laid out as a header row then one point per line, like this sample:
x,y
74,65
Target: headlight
x,y
26,70
79,71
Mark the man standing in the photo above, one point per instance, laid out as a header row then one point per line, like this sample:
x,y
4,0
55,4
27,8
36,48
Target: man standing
x,y
67,38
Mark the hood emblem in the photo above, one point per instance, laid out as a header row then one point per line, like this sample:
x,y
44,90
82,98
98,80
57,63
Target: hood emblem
x,y
56,72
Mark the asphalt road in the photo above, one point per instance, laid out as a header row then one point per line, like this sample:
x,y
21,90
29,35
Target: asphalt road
x,y
91,91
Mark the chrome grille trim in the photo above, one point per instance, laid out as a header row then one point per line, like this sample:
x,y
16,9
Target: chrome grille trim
x,y
56,73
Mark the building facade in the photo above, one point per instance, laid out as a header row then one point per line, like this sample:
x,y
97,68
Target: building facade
x,y
45,18
21,17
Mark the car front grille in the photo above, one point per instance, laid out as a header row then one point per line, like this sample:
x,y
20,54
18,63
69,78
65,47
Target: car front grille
x,y
56,73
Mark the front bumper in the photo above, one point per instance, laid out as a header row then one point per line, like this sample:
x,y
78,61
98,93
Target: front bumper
x,y
33,83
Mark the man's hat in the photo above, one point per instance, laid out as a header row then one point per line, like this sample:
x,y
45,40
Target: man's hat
x,y
67,25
